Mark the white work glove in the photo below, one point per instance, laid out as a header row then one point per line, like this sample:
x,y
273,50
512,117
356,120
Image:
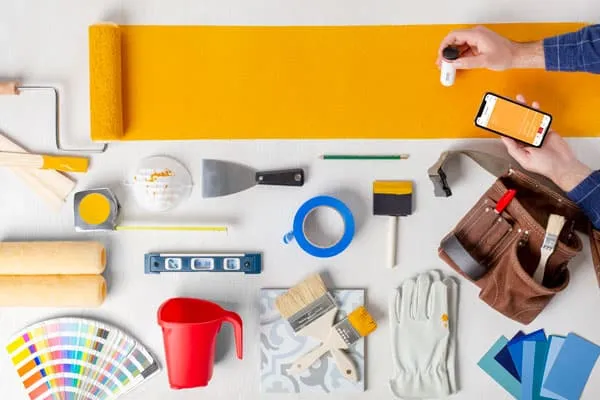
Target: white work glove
x,y
423,330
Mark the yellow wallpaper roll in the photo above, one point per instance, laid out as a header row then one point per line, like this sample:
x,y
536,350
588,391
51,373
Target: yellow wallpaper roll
x,y
52,291
52,258
106,102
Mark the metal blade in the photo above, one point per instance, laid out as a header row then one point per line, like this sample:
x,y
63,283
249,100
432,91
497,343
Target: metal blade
x,y
220,178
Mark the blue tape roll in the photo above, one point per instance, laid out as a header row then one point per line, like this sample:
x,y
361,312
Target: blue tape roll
x,y
300,236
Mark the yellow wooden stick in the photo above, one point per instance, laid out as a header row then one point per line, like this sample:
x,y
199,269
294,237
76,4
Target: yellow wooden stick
x,y
38,161
171,228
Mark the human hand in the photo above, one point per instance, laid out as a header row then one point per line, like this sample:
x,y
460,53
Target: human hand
x,y
483,48
555,159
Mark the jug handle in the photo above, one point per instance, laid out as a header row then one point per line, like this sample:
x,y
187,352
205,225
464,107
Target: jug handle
x,y
235,320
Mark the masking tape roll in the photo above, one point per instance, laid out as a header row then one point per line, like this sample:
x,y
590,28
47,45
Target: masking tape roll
x,y
52,258
52,291
106,101
298,231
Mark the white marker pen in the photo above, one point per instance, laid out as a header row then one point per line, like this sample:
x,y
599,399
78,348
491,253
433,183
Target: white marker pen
x,y
448,73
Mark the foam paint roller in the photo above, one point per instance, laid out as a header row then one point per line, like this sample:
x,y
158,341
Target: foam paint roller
x,y
52,291
106,100
52,258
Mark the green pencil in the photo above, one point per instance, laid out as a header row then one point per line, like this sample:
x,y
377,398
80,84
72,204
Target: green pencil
x,y
364,157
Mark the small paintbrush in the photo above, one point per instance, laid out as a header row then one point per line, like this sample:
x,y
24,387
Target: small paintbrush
x,y
359,323
308,307
553,229
393,198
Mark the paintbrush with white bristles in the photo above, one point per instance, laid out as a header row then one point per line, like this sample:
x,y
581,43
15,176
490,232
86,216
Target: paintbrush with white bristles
x,y
553,229
309,308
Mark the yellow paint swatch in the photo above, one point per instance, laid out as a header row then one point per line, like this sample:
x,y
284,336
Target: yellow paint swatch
x,y
309,82
18,342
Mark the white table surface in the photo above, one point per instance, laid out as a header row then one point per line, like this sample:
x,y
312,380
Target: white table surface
x,y
46,42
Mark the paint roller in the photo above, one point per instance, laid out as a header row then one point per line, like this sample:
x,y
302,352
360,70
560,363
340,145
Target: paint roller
x,y
52,274
52,291
106,100
52,258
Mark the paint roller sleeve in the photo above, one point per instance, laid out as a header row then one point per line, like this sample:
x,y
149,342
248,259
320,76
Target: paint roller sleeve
x,y
52,291
106,101
52,258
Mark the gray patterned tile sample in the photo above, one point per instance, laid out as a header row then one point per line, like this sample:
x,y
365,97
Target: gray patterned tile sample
x,y
279,347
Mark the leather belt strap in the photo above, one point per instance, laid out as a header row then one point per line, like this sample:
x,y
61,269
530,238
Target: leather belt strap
x,y
496,166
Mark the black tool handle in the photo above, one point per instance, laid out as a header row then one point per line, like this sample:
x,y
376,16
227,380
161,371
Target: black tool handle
x,y
283,177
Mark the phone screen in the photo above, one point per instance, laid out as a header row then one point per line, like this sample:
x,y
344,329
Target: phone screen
x,y
510,118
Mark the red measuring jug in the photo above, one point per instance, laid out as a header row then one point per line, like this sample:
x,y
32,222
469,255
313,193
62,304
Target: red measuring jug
x,y
190,328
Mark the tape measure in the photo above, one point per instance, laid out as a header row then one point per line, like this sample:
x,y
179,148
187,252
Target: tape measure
x,y
248,263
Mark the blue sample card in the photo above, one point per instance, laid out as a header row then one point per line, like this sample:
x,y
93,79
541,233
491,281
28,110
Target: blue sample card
x,y
497,372
534,361
554,346
572,367
505,359
516,347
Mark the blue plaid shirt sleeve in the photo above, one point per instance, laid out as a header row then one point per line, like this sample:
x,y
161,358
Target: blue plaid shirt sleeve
x,y
587,197
576,51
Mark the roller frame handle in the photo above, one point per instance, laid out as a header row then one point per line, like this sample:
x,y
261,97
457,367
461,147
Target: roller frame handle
x,y
283,177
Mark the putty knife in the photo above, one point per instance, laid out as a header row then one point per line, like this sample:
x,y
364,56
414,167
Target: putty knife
x,y
220,178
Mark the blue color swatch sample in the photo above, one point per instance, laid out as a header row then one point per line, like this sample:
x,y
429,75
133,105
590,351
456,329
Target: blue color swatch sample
x,y
516,347
572,367
554,346
497,372
505,359
534,360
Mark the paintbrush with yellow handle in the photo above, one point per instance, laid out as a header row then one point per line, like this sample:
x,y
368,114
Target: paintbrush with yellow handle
x,y
359,323
38,161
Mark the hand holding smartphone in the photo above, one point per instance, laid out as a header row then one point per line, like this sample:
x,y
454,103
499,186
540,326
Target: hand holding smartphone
x,y
512,119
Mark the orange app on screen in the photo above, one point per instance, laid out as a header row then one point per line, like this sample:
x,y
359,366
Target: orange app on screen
x,y
514,120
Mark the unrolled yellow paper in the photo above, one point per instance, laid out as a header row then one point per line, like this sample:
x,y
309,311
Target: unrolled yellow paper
x,y
309,82
52,258
52,291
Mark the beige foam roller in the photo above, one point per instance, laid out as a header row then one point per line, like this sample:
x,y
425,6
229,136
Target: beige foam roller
x,y
52,258
52,291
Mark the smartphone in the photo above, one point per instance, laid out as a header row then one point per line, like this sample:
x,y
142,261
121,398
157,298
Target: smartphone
x,y
509,118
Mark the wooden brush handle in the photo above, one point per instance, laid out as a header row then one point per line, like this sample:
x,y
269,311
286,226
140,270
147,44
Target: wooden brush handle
x,y
345,364
392,244
52,186
11,87
304,362
21,160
